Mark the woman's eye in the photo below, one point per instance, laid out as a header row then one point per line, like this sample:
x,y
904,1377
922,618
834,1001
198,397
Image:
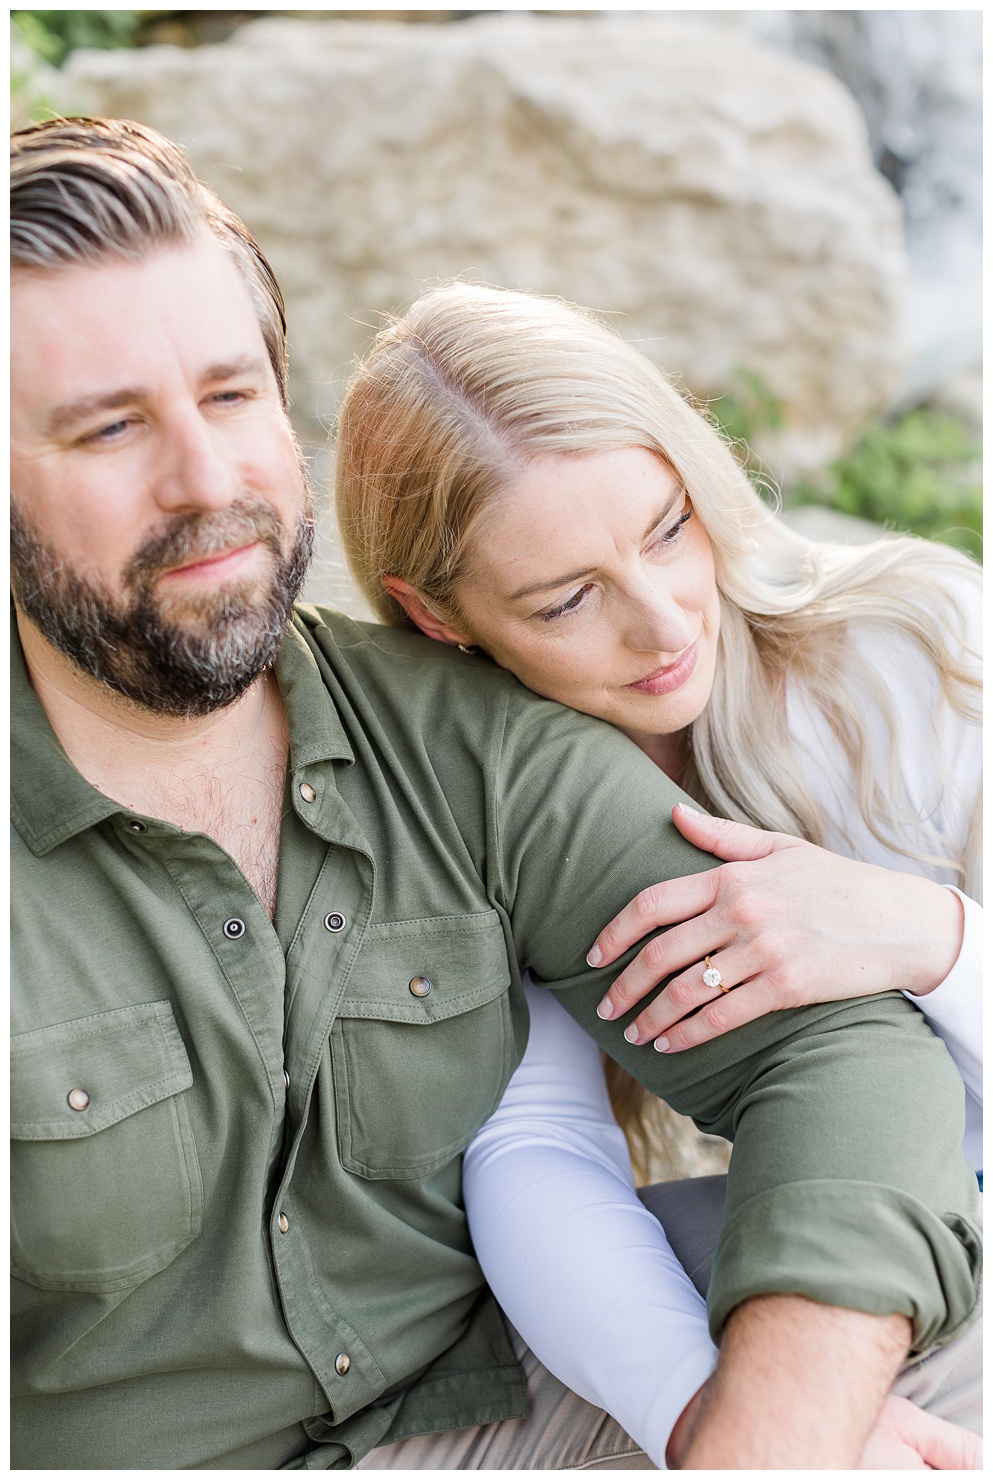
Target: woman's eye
x,y
567,606
672,533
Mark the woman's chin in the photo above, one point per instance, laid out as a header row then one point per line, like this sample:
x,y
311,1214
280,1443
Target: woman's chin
x,y
649,714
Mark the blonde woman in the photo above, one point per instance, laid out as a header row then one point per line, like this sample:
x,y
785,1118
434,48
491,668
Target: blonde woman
x,y
515,480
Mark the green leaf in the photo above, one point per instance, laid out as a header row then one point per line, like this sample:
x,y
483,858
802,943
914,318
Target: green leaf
x,y
53,34
918,474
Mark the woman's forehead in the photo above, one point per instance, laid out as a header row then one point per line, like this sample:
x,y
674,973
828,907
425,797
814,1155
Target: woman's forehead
x,y
566,512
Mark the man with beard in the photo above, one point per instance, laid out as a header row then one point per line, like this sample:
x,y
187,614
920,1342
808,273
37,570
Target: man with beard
x,y
276,878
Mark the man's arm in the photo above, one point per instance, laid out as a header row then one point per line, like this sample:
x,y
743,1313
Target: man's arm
x,y
839,1190
798,1385
550,1199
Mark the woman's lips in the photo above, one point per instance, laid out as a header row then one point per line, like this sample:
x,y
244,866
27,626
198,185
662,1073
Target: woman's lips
x,y
664,680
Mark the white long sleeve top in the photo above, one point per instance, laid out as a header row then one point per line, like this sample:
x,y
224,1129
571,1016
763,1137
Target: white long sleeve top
x,y
581,1268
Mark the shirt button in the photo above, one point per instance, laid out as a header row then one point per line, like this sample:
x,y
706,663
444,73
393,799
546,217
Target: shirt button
x,y
334,922
234,928
307,792
137,826
342,1363
78,1099
420,986
284,1223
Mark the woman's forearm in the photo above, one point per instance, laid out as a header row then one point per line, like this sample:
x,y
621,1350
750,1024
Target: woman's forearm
x,y
581,1268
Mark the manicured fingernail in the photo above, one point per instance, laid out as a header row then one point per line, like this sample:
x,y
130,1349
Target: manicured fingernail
x,y
661,1045
691,810
595,957
631,1034
605,1009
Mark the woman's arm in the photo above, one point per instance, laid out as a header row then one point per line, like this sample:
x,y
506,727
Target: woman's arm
x,y
580,1267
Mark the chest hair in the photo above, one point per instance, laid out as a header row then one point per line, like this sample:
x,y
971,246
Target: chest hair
x,y
241,810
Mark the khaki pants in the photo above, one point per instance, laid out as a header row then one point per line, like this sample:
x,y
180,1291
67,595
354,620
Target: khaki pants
x,y
563,1432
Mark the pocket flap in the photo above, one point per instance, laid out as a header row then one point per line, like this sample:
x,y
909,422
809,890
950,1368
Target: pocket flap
x,y
462,957
110,1065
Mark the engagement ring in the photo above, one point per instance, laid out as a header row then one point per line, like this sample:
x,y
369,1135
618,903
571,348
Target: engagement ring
x,y
712,977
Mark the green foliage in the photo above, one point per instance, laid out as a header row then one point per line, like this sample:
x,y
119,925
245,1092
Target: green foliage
x,y
918,473
53,34
746,407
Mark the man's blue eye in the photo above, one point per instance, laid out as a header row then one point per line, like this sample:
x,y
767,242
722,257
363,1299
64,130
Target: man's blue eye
x,y
104,434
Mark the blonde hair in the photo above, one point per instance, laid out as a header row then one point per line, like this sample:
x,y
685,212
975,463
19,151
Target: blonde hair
x,y
472,384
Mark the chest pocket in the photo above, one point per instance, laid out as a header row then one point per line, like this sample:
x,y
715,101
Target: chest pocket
x,y
106,1182
422,1046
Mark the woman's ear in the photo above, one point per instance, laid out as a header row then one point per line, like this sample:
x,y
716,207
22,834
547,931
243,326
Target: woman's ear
x,y
421,614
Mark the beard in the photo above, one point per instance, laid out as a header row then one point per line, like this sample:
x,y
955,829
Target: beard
x,y
181,656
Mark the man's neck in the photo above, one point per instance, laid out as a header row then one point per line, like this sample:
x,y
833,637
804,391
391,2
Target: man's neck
x,y
109,737
221,774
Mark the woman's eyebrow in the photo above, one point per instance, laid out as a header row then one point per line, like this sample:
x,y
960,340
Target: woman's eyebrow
x,y
573,575
667,509
576,575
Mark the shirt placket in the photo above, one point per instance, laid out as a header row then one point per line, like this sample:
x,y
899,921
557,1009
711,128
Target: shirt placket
x,y
325,945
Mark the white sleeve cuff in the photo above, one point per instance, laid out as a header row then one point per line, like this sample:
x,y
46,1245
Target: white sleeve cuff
x,y
955,1007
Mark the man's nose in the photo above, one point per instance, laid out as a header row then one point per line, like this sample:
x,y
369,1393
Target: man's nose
x,y
198,469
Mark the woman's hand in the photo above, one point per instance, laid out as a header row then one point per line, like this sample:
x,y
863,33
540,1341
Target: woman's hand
x,y
783,922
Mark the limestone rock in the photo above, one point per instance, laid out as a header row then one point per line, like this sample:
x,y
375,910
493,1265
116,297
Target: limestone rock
x,y
918,77
717,198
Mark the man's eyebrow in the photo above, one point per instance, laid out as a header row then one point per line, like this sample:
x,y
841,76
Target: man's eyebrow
x,y
67,415
576,575
62,418
231,369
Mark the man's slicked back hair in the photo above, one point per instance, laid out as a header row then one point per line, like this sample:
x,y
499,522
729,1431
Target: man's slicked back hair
x,y
83,190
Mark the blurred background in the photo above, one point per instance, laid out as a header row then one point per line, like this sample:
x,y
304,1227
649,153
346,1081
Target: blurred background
x,y
780,207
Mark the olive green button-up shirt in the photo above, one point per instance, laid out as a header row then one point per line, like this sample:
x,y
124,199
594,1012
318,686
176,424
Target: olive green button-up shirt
x,y
238,1237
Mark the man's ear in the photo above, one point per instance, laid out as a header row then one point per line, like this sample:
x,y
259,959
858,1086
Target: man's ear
x,y
421,614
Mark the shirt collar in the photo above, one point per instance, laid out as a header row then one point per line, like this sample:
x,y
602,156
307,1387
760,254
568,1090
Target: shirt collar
x,y
51,802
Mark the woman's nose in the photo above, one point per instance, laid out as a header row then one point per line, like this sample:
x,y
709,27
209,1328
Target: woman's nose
x,y
658,623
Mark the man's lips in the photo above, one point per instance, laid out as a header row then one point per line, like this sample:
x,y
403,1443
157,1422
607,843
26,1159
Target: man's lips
x,y
664,680
222,566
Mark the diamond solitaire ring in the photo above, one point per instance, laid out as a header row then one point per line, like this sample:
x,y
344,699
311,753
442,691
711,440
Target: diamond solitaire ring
x,y
712,977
